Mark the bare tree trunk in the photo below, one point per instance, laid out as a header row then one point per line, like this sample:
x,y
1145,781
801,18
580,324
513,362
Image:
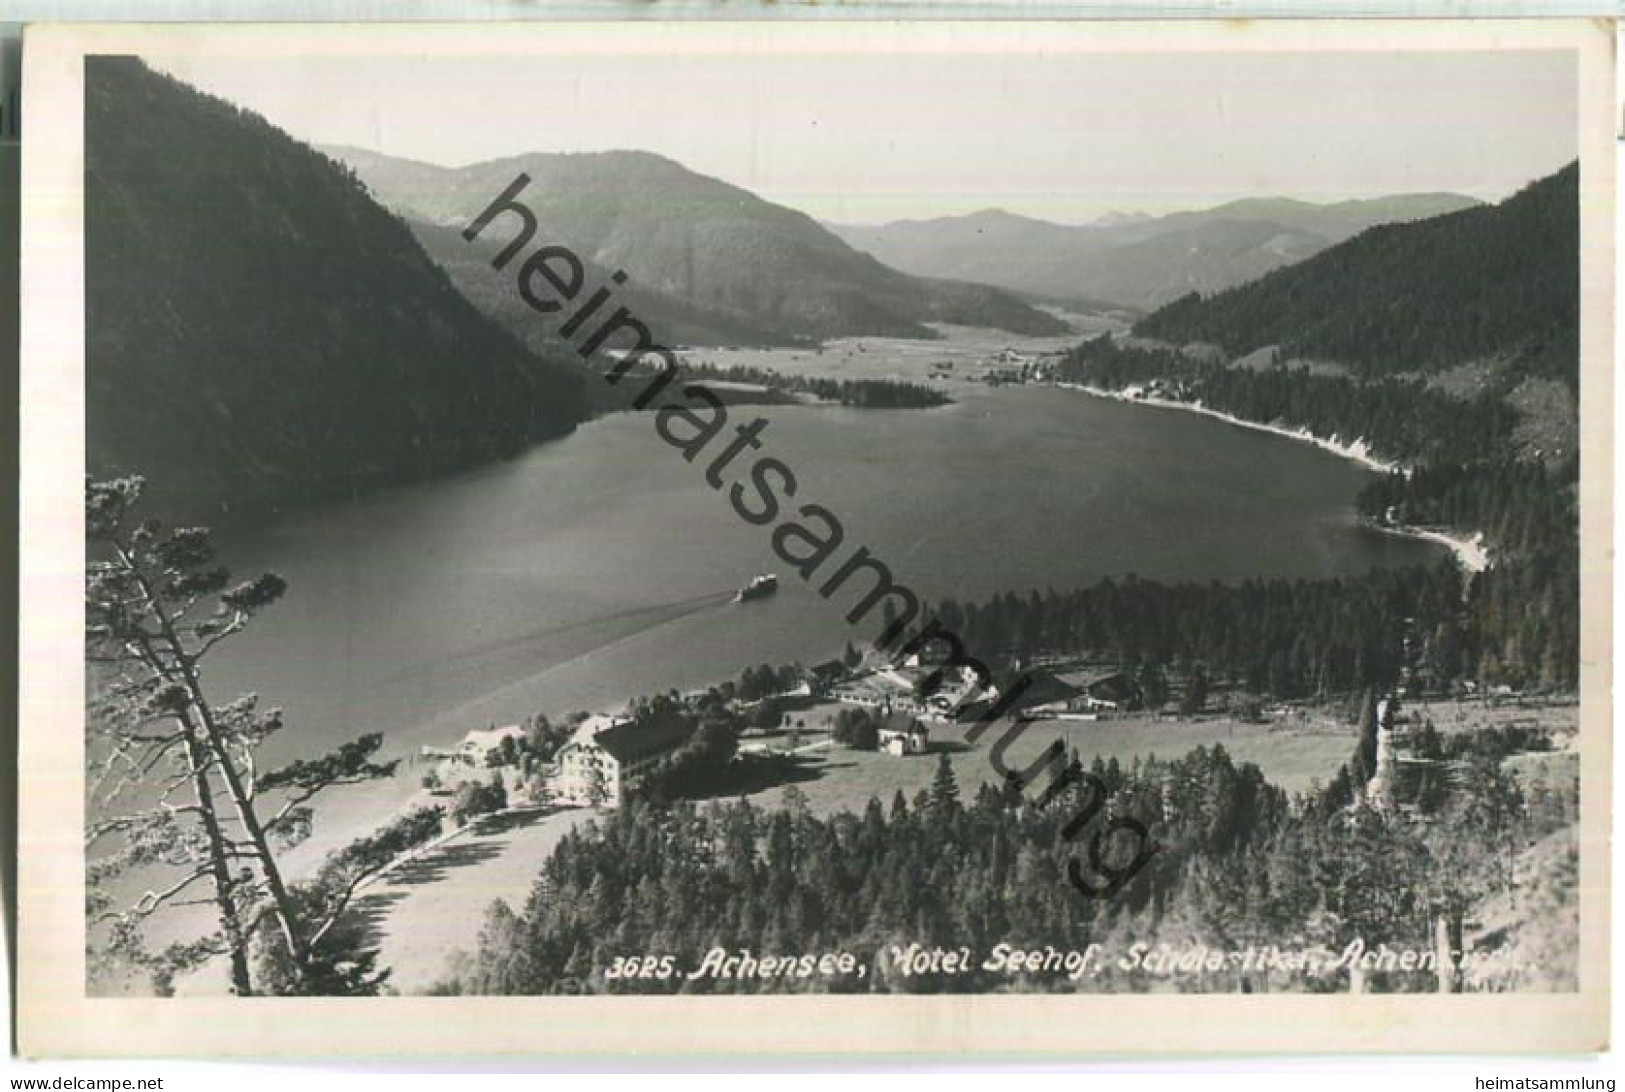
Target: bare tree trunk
x,y
219,863
186,667
286,915
230,921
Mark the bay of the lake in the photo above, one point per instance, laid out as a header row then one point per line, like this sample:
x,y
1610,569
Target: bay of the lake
x,y
601,566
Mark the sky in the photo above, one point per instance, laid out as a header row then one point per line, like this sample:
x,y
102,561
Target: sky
x,y
870,138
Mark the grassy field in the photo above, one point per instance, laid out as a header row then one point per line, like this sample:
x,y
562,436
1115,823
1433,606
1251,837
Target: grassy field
x,y
1291,756
424,909
1561,715
1294,754
968,348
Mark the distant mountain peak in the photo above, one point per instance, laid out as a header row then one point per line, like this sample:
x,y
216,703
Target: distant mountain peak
x,y
1001,214
1116,217
988,217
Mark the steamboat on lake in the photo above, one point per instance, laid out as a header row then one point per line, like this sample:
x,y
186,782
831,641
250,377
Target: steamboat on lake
x,y
759,588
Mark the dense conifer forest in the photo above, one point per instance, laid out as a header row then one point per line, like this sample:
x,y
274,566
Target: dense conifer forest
x,y
859,393
1400,419
1303,639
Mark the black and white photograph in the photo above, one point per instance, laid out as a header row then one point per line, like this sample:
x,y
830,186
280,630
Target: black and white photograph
x,y
798,511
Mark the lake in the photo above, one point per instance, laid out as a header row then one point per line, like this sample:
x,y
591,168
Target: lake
x,y
601,566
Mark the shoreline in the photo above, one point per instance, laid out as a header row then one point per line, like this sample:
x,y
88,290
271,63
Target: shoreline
x,y
1469,551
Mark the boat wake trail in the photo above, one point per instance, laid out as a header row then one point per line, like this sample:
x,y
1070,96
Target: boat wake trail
x,y
562,644
508,671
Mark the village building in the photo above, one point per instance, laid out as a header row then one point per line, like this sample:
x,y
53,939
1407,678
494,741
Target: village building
x,y
1046,694
1107,690
597,722
470,759
476,745
1077,695
606,756
900,734
878,690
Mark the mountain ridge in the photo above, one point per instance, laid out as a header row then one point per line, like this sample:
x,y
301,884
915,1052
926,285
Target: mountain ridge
x,y
1099,261
1489,281
697,243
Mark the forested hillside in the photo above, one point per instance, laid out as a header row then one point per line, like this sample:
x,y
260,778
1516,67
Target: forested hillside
x,y
468,264
1497,281
1399,419
258,328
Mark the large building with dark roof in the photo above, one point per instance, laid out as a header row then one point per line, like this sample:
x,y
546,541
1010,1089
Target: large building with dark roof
x,y
604,757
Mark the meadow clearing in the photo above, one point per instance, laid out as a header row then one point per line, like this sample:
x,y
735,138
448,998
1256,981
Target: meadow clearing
x,y
1293,754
